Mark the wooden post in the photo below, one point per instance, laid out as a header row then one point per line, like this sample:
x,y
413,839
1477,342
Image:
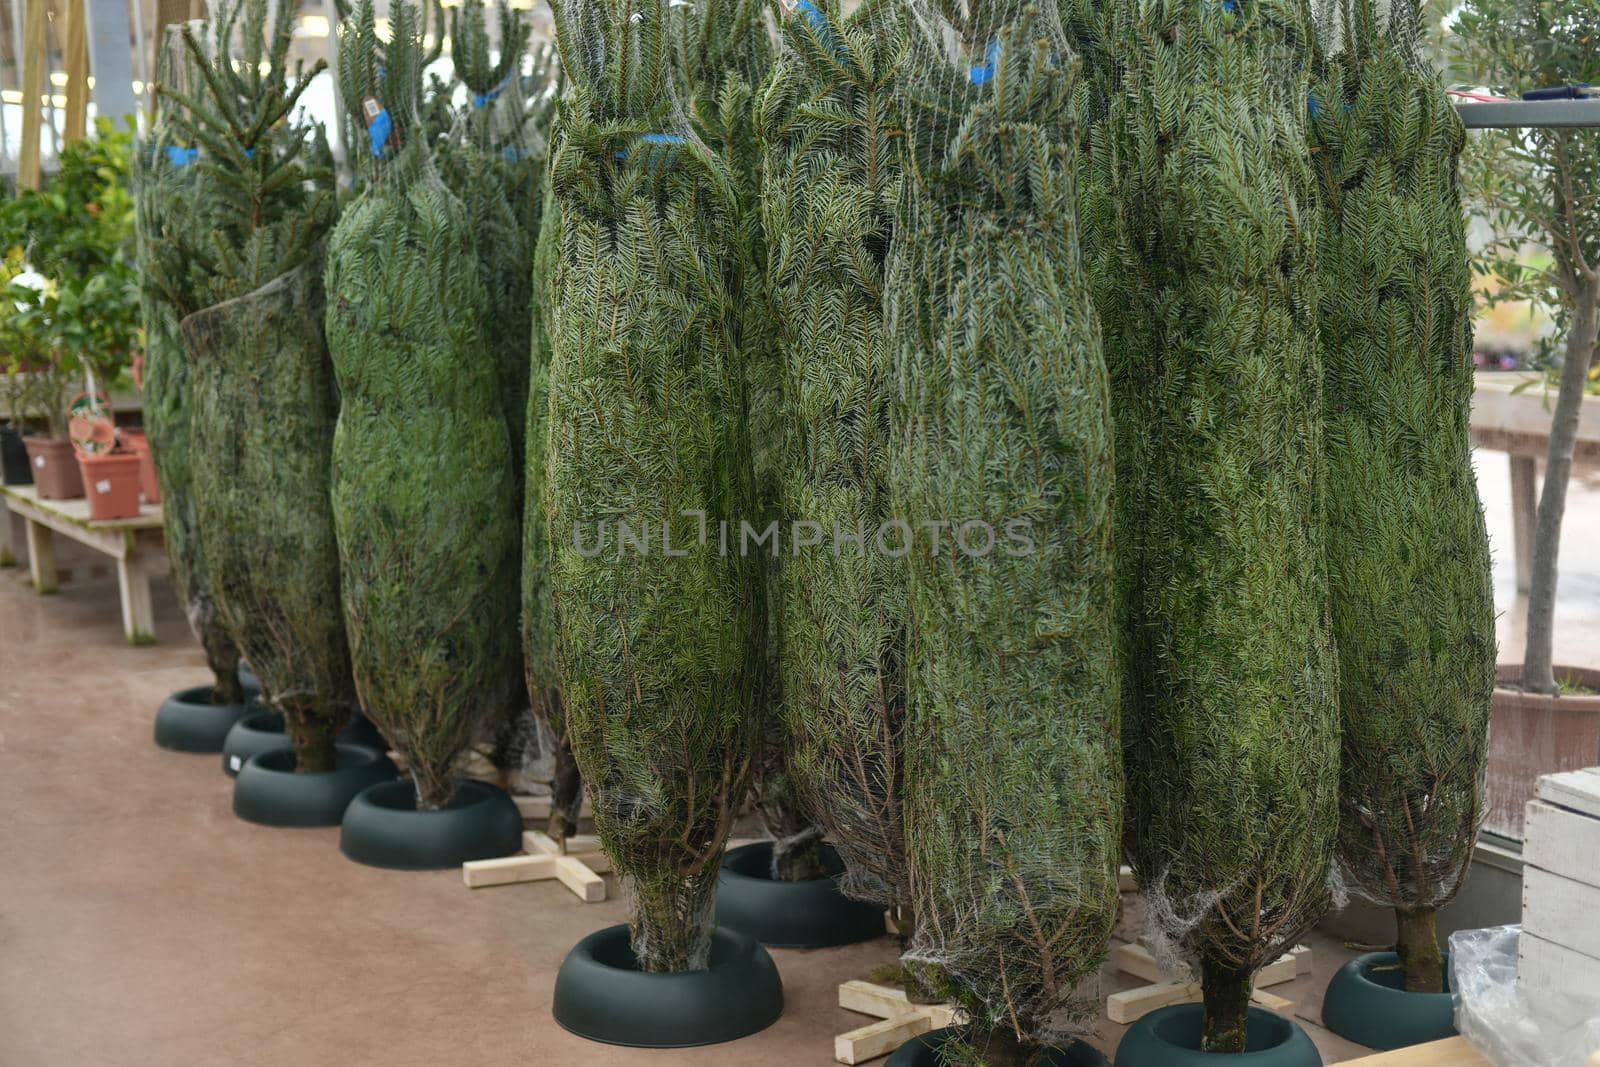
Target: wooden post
x,y
76,56
29,173
42,558
1524,511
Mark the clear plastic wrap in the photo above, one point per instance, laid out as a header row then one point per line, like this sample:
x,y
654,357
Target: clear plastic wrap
x,y
1502,1022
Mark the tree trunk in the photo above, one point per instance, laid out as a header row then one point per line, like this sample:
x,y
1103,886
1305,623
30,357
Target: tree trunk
x,y
1417,945
1538,673
1226,992
1001,1047
313,736
227,689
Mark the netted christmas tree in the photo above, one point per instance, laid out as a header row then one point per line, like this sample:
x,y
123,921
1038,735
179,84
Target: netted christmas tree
x,y
829,129
421,442
647,459
163,206
1002,482
1201,212
260,199
1413,606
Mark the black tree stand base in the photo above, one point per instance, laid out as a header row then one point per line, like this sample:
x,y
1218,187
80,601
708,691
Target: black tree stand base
x,y
923,1051
187,721
1170,1037
261,729
268,791
383,828
808,914
602,995
1367,1003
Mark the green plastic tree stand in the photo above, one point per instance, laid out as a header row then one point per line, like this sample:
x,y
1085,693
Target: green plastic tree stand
x,y
269,792
1367,1003
923,1051
602,995
383,828
187,721
1170,1037
808,914
261,729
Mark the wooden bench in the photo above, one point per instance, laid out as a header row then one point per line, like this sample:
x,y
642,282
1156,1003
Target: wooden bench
x,y
136,544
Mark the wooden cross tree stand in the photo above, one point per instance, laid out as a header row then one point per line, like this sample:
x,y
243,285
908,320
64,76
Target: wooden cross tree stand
x,y
899,1020
1132,1004
578,866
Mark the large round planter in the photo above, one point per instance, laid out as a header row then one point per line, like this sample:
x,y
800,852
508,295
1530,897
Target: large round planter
x,y
261,729
187,721
1532,734
383,828
14,466
923,1051
268,791
602,995
1170,1037
808,914
55,467
1367,1003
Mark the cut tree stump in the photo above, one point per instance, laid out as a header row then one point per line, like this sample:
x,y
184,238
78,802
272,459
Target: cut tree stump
x,y
1132,1004
899,1020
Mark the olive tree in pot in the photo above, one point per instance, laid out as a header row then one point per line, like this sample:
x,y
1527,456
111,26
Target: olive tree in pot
x,y
1539,188
429,600
1003,437
660,637
195,719
261,393
1408,555
1202,220
828,133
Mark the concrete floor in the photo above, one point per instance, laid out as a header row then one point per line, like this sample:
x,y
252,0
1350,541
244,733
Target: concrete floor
x,y
141,923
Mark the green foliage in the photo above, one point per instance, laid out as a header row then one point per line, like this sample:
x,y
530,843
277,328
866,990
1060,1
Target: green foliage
x,y
828,125
1201,216
429,599
1013,796
658,653
241,269
1408,557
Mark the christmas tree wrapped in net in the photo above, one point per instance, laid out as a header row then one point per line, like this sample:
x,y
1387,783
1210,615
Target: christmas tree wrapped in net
x,y
830,134
421,442
163,200
1413,607
1001,483
261,201
1202,219
647,471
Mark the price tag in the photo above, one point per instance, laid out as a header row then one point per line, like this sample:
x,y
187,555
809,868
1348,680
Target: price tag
x,y
234,763
102,487
38,461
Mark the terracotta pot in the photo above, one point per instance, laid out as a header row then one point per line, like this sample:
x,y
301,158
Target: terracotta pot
x,y
112,483
55,467
148,486
1532,734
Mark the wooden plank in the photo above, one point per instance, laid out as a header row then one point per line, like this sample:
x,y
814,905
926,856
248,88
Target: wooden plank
x,y
75,53
1553,975
887,1002
33,90
537,808
1451,1052
1576,790
879,1038
1137,961
1562,842
1561,911
133,584
42,559
479,874
1130,1005
76,511
576,876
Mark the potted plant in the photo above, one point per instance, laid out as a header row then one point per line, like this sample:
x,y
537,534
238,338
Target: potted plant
x,y
430,602
824,245
1408,555
51,376
261,394
1201,217
646,429
1539,188
1003,431
197,718
110,470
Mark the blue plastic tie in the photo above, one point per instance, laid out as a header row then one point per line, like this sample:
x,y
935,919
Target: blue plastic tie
x,y
179,156
982,75
482,99
820,27
654,139
378,132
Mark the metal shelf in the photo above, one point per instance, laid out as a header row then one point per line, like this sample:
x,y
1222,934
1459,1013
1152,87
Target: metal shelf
x,y
1514,114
